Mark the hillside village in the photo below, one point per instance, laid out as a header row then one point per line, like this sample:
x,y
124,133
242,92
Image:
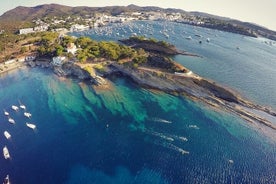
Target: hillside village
x,y
78,23
62,25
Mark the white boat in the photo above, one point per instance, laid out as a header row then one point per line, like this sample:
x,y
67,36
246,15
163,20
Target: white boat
x,y
6,113
22,106
7,180
11,120
27,114
30,125
7,134
193,126
6,153
14,107
189,38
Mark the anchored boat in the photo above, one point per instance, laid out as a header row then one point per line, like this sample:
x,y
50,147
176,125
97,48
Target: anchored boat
x,y
27,114
14,107
6,153
7,134
30,125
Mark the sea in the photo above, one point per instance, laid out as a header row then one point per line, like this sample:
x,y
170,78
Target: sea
x,y
130,135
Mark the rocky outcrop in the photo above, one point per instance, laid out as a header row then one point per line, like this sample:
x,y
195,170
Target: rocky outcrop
x,y
70,69
165,63
198,89
40,62
218,91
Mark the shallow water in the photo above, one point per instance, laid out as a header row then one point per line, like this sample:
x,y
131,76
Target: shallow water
x,y
125,135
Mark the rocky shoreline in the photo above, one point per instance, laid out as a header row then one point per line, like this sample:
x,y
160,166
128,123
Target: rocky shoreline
x,y
198,89
69,69
160,72
193,86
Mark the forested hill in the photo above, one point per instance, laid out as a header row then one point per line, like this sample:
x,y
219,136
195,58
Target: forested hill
x,y
21,13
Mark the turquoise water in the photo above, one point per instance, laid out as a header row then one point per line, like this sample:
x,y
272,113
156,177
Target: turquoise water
x,y
124,135
132,135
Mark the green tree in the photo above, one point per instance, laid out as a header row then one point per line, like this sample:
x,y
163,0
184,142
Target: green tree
x,y
83,42
66,40
59,50
23,50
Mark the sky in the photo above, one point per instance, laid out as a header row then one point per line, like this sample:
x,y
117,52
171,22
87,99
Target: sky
x,y
262,12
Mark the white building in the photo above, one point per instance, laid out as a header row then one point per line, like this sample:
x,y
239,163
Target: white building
x,y
26,30
71,48
41,28
78,27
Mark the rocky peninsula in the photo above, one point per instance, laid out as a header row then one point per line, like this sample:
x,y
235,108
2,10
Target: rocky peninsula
x,y
147,63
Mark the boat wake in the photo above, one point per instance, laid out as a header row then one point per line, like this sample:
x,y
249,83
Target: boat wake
x,y
161,120
160,135
168,141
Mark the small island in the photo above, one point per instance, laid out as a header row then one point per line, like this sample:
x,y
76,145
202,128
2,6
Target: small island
x,y
146,61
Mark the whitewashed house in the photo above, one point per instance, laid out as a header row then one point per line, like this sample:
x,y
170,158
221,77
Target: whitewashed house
x,y
71,48
26,30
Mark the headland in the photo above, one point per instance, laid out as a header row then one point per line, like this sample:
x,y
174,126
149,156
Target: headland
x,y
148,63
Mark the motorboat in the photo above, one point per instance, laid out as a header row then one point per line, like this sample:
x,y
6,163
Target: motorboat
x,y
30,125
14,107
27,114
6,153
7,134
231,161
11,120
189,38
7,180
22,106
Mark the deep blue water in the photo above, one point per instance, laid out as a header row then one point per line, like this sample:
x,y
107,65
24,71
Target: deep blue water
x,y
125,135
